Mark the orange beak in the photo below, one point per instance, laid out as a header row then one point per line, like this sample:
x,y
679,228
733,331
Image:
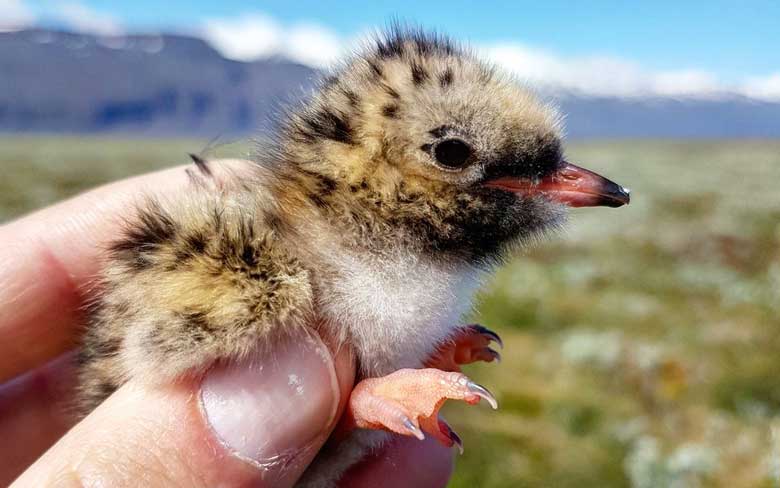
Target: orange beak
x,y
569,185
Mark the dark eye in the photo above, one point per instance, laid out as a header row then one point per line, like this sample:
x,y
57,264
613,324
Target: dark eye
x,y
452,153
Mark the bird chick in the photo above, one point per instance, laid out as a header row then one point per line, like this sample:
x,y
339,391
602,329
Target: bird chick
x,y
387,196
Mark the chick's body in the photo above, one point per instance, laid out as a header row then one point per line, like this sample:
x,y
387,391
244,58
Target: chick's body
x,y
371,219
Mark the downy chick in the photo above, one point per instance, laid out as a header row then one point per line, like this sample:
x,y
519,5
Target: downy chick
x,y
412,172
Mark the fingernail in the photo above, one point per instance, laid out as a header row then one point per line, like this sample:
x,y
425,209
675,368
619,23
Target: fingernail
x,y
270,406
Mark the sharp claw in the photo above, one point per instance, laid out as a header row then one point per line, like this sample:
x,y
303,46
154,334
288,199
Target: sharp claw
x,y
482,392
496,354
413,429
445,429
457,441
493,336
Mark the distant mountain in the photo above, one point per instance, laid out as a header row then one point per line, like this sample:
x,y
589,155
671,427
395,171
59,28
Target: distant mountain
x,y
53,81
730,117
65,82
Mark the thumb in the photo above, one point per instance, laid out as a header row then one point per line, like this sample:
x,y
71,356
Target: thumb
x,y
259,421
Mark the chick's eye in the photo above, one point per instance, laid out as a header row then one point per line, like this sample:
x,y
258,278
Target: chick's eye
x,y
452,153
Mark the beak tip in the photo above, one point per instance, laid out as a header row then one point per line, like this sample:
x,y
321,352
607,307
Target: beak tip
x,y
627,195
618,197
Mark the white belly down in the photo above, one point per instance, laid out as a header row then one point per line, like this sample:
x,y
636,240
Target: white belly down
x,y
395,310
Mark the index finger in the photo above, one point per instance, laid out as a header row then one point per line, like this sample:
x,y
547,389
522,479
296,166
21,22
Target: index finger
x,y
48,259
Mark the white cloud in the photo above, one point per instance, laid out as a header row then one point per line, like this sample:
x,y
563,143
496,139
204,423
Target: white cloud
x,y
600,75
686,83
609,76
249,37
587,75
15,15
763,88
257,36
82,18
313,45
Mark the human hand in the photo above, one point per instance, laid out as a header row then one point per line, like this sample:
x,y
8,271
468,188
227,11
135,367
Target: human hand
x,y
241,424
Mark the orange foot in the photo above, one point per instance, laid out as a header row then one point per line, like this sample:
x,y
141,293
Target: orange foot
x,y
408,401
469,344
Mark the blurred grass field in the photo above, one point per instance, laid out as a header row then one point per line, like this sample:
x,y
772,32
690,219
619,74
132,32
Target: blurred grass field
x,y
642,344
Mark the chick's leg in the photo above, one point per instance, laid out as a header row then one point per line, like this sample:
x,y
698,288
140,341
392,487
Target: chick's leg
x,y
407,402
469,344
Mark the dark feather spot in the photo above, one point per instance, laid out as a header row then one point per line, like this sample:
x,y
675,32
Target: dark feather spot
x,y
425,43
195,321
153,228
327,185
84,356
352,97
274,222
181,256
376,69
419,75
390,111
318,200
109,347
248,256
259,275
390,91
393,48
440,131
329,125
139,262
445,79
105,389
196,243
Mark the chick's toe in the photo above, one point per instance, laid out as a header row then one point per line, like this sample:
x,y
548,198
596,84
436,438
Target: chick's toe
x,y
467,345
408,401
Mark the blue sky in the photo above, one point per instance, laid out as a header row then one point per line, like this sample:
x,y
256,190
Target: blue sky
x,y
724,43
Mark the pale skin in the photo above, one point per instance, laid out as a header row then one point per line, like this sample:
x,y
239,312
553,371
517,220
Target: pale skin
x,y
155,434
